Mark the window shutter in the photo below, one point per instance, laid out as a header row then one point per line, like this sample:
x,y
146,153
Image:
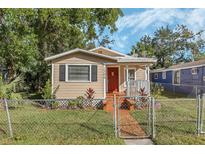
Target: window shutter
x,y
62,73
94,72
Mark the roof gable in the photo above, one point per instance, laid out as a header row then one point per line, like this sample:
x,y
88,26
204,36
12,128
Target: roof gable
x,y
121,59
109,52
75,51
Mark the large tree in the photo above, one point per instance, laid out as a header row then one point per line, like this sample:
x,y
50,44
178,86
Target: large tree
x,y
170,46
27,36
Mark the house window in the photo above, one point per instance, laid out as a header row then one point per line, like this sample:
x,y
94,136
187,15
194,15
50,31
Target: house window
x,y
194,71
176,77
155,75
78,72
164,75
131,74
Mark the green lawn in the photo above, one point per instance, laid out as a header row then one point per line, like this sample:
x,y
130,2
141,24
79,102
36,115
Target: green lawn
x,y
32,125
175,121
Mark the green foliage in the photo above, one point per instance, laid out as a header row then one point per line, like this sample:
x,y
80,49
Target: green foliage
x,y
76,104
47,90
7,90
27,36
72,104
16,96
54,105
170,46
156,90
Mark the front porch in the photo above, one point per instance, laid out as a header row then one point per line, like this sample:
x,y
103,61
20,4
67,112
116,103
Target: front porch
x,y
125,79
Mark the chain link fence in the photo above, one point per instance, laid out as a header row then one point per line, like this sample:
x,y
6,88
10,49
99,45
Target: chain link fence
x,y
136,117
65,121
177,113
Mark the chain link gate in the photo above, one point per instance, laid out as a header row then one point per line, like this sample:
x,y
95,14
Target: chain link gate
x,y
134,117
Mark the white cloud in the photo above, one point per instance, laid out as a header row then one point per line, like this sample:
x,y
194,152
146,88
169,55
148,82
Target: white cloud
x,y
145,22
196,19
119,41
193,18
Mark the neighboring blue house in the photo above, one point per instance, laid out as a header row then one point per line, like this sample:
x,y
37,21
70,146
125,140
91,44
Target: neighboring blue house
x,y
186,78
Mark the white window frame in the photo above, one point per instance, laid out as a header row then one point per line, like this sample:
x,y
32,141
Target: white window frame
x,y
131,68
173,75
164,75
86,81
156,76
195,71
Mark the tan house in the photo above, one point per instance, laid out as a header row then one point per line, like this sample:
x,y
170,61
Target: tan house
x,y
102,69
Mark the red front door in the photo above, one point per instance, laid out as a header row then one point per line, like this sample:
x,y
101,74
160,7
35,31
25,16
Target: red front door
x,y
113,82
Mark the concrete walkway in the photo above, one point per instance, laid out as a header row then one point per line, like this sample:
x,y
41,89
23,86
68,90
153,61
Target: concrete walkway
x,y
138,142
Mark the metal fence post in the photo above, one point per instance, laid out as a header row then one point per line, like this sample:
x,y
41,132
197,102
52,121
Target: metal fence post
x,y
198,114
118,116
149,115
153,118
115,115
8,118
202,113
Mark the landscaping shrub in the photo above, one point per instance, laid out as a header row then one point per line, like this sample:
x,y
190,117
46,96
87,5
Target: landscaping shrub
x,y
143,100
80,100
72,104
156,90
55,105
89,97
47,90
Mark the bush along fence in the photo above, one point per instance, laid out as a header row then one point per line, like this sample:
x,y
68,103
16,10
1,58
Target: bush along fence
x,y
56,121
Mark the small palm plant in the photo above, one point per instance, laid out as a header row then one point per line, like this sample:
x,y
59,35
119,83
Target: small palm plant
x,y
143,99
89,94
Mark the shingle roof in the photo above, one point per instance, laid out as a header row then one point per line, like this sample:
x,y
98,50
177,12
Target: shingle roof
x,y
182,66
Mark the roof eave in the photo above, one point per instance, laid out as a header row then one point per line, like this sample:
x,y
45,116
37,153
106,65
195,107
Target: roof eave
x,y
77,50
122,54
137,60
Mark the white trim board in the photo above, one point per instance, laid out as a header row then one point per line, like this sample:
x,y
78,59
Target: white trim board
x,y
52,78
129,68
77,50
179,78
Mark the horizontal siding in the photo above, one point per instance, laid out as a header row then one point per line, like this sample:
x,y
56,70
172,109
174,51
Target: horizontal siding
x,y
75,89
168,79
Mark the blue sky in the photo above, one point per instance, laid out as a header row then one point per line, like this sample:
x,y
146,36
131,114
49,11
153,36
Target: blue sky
x,y
137,22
